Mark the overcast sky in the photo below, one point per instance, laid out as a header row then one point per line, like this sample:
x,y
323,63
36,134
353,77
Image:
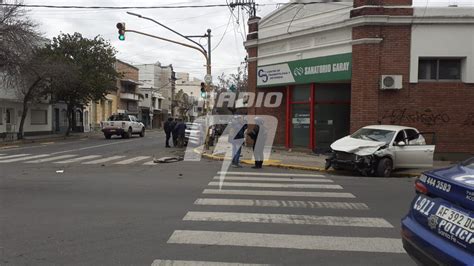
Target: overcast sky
x,y
228,29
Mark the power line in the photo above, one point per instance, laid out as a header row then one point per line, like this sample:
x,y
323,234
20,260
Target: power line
x,y
144,7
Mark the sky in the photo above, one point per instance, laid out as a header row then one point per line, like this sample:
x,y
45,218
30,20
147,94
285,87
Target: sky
x,y
228,27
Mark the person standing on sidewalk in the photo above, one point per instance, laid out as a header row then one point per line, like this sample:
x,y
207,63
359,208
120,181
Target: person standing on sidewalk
x,y
258,135
174,132
168,127
180,132
236,138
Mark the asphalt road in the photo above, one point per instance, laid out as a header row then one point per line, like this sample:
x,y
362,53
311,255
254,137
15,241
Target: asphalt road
x,y
108,205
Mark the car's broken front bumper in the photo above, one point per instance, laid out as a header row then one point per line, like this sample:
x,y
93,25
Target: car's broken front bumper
x,y
349,161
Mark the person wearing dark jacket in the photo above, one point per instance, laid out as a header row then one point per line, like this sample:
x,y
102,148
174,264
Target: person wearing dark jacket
x,y
236,137
180,129
258,135
174,132
168,127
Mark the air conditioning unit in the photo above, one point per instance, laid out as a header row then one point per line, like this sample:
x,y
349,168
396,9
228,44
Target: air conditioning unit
x,y
391,82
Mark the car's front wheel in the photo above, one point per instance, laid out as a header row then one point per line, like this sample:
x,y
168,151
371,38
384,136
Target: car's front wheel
x,y
384,167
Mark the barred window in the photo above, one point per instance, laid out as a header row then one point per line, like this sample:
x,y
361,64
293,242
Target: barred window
x,y
39,117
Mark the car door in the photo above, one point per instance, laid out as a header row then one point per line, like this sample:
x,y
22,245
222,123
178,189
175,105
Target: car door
x,y
135,124
413,153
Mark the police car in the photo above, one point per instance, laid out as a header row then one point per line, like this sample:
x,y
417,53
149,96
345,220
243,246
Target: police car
x,y
439,227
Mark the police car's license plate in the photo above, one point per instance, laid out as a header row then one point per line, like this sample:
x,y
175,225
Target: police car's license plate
x,y
455,217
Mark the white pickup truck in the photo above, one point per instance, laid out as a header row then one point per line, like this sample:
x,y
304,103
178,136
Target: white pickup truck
x,y
122,125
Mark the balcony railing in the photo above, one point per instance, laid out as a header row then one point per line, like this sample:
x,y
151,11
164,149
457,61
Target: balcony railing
x,y
130,96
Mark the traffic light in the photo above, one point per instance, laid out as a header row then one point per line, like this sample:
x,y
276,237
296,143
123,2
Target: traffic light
x,y
203,90
121,30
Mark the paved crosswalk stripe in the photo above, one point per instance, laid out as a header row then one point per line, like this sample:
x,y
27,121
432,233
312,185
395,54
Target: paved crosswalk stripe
x,y
14,156
278,193
133,160
52,158
268,174
275,185
282,203
286,219
200,263
75,160
24,158
104,160
307,242
278,179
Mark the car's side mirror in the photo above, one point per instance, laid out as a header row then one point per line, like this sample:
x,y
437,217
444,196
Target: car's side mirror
x,y
401,143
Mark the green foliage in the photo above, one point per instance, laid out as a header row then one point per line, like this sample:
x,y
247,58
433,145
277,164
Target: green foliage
x,y
89,68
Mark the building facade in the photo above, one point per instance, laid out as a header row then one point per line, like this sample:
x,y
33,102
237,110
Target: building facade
x,y
345,65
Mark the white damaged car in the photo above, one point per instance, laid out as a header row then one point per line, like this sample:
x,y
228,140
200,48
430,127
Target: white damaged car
x,y
379,149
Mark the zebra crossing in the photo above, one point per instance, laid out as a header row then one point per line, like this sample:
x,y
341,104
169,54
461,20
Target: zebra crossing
x,y
272,199
63,159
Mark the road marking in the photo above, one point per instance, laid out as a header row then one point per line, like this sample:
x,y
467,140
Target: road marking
x,y
275,185
133,160
278,179
268,174
52,158
14,156
286,219
199,263
279,193
150,163
104,160
8,147
93,147
307,242
75,160
23,158
47,143
282,203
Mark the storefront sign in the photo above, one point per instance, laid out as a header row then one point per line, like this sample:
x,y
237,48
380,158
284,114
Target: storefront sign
x,y
321,69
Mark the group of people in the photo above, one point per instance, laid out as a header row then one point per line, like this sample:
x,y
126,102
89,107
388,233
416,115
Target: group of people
x,y
237,135
175,129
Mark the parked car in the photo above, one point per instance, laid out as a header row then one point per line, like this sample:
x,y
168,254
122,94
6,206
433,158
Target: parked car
x,y
439,226
194,134
379,149
122,125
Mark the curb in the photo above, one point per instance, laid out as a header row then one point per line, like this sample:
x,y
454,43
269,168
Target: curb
x,y
300,167
27,141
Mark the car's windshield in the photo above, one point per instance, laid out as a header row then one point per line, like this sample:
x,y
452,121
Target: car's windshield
x,y
469,163
374,134
119,117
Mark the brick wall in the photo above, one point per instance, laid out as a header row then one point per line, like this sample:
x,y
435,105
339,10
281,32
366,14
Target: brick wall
x,y
278,112
128,71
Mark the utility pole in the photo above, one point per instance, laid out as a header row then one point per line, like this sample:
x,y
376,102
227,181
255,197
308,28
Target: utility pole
x,y
249,5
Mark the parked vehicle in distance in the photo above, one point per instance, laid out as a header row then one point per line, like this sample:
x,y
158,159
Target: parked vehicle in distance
x,y
122,125
439,226
377,150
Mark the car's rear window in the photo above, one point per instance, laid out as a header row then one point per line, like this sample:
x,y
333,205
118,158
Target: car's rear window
x,y
118,118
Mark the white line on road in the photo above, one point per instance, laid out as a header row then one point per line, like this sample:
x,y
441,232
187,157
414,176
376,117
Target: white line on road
x,y
60,157
282,203
95,146
286,219
275,185
24,158
268,174
199,263
278,179
104,160
279,193
307,242
133,160
14,156
75,160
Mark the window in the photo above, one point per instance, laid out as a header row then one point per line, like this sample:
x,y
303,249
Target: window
x,y
146,95
39,117
439,69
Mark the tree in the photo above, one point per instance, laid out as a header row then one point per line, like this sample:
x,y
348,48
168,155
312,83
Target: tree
x,y
236,80
25,72
183,103
93,61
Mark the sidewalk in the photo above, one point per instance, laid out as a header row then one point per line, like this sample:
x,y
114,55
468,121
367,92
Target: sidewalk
x,y
301,160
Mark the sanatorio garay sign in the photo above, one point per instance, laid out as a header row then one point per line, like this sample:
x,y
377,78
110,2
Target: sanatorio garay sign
x,y
320,69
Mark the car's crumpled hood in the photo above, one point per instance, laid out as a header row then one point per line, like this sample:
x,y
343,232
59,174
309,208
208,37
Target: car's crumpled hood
x,y
357,146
